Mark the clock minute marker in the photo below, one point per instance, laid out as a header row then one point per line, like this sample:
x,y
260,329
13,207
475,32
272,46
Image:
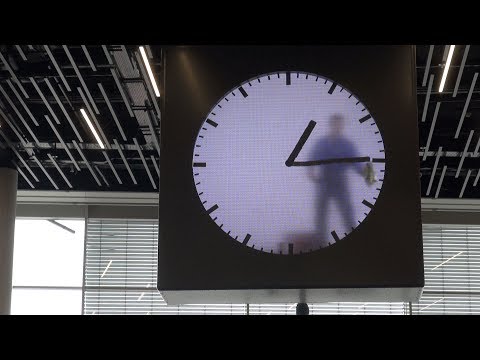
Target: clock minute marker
x,y
212,209
366,203
242,90
378,160
332,88
365,118
199,164
335,236
211,122
247,238
288,80
290,249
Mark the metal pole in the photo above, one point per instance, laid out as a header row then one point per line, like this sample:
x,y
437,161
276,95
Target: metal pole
x,y
8,202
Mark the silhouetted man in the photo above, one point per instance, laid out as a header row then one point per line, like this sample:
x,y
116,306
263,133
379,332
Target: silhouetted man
x,y
332,180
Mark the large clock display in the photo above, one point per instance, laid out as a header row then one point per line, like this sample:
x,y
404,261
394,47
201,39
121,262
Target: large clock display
x,y
288,163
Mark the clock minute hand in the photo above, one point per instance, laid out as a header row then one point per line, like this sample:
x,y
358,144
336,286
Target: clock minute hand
x,y
331,161
303,139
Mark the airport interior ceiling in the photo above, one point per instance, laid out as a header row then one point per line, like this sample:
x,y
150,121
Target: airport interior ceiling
x,y
52,96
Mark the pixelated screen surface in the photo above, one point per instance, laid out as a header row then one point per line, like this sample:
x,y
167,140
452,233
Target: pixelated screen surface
x,y
288,162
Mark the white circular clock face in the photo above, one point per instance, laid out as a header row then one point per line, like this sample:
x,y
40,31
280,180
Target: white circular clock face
x,y
288,163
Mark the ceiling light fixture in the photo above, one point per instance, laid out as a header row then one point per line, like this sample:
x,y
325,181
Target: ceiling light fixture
x,y
90,125
447,66
149,70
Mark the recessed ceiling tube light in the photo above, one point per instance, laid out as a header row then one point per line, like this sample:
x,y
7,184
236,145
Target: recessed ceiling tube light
x,y
149,70
447,66
90,125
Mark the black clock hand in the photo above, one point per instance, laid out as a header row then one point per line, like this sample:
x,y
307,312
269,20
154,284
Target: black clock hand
x,y
331,161
300,143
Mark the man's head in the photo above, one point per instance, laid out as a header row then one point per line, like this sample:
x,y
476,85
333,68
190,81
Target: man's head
x,y
336,124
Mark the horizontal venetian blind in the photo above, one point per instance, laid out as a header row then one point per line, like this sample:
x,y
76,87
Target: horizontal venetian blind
x,y
120,278
452,270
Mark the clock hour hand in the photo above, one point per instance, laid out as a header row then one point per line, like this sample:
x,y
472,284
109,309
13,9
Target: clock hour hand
x,y
303,139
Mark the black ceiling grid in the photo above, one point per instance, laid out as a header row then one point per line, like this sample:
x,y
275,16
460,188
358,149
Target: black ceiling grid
x,y
111,84
456,129
42,90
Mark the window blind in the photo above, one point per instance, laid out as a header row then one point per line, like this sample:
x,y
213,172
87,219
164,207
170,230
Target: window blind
x,y
452,270
120,278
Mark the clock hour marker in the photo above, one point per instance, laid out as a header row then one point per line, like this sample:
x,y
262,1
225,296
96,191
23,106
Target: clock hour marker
x,y
242,90
199,164
378,160
288,77
366,203
212,209
245,241
290,249
332,88
365,118
335,236
211,122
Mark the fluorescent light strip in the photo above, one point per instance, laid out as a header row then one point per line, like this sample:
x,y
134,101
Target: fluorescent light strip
x,y
149,85
106,269
149,70
460,72
447,67
431,304
90,125
453,257
90,112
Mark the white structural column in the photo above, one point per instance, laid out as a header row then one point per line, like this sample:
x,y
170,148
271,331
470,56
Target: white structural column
x,y
8,200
